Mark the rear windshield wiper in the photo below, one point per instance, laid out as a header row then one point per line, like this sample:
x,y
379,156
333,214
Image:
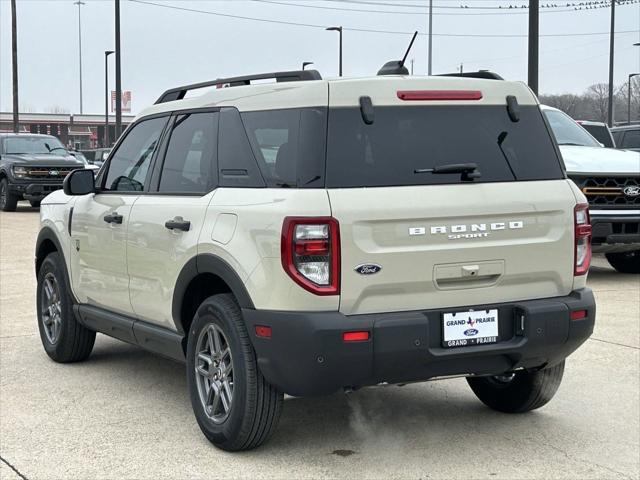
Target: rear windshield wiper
x,y
468,171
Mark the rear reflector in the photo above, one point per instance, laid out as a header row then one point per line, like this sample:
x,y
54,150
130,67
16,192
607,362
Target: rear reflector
x,y
263,331
578,314
439,95
355,336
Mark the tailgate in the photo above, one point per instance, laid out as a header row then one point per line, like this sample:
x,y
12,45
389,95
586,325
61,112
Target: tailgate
x,y
453,245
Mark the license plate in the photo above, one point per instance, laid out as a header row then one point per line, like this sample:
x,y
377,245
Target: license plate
x,y
475,327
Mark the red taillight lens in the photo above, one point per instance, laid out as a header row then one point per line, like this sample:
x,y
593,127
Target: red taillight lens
x,y
582,254
263,331
311,253
578,314
355,336
439,95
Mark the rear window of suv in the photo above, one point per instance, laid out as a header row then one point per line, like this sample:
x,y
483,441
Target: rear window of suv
x,y
404,139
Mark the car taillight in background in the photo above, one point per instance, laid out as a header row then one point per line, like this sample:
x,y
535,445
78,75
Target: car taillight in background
x,y
311,253
582,224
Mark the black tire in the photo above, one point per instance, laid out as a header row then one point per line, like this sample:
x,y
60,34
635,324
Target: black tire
x,y
8,201
255,405
35,203
625,262
523,392
73,342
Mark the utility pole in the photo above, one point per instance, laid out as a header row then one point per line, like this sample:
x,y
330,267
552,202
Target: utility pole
x,y
461,69
534,39
14,60
80,3
106,97
118,77
430,54
611,45
631,75
412,66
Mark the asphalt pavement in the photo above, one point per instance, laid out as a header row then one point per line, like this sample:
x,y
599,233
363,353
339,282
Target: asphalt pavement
x,y
125,413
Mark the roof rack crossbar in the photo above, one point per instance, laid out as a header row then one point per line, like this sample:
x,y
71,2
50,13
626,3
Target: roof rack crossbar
x,y
486,74
178,93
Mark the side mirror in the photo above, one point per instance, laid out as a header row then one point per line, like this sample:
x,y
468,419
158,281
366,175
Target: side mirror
x,y
79,182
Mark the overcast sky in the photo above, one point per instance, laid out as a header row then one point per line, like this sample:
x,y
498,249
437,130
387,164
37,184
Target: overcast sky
x,y
164,47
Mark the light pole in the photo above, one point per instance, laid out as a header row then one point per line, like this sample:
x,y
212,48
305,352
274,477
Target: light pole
x,y
80,3
339,30
14,66
611,45
118,77
106,97
534,39
430,48
631,75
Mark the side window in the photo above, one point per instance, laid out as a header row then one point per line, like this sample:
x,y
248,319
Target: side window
x,y
236,163
189,161
631,139
289,145
129,164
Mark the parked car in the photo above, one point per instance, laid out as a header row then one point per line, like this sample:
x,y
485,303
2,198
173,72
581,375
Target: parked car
x,y
97,156
627,137
31,167
600,131
79,155
405,228
610,179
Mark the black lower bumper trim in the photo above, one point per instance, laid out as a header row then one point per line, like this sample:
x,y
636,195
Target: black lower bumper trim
x,y
306,354
34,191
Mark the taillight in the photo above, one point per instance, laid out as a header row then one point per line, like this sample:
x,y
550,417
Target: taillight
x,y
311,253
582,224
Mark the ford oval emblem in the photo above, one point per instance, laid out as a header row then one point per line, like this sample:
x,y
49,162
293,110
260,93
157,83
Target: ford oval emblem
x,y
368,268
471,332
632,191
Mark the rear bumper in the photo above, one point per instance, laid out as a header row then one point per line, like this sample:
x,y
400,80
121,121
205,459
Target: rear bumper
x,y
615,230
307,356
34,191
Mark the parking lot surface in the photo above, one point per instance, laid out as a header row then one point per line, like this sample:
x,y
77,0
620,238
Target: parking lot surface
x,y
125,413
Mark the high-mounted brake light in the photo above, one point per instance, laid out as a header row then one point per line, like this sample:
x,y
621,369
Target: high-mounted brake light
x,y
310,252
582,225
439,95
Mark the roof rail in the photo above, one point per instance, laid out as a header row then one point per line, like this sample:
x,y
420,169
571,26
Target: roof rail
x,y
486,74
178,93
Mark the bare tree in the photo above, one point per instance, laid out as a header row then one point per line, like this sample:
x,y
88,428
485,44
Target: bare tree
x,y
598,96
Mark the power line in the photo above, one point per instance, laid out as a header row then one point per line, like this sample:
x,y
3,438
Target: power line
x,y
396,12
582,5
366,30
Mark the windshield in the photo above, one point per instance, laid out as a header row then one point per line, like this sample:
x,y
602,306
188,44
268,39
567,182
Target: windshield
x,y
404,143
34,145
567,131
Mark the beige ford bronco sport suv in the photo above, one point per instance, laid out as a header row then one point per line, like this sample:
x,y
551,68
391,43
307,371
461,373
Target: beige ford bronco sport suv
x,y
306,235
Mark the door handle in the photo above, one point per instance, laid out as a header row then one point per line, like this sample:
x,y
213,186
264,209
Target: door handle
x,y
178,223
113,218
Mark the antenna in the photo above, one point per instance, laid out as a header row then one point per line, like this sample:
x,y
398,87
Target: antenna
x,y
396,67
413,39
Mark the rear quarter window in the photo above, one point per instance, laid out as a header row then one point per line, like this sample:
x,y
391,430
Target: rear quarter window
x,y
405,139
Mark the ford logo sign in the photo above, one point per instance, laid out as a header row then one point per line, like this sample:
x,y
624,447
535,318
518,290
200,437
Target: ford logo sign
x,y
471,332
632,191
368,268
54,173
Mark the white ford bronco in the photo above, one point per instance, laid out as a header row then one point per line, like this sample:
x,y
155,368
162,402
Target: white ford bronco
x,y
305,236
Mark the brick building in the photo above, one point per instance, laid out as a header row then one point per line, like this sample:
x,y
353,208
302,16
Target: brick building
x,y
75,131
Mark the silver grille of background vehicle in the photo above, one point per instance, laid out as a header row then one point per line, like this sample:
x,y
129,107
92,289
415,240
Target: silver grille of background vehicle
x,y
49,172
610,192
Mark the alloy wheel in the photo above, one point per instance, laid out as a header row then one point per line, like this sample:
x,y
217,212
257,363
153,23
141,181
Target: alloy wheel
x,y
214,373
51,308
